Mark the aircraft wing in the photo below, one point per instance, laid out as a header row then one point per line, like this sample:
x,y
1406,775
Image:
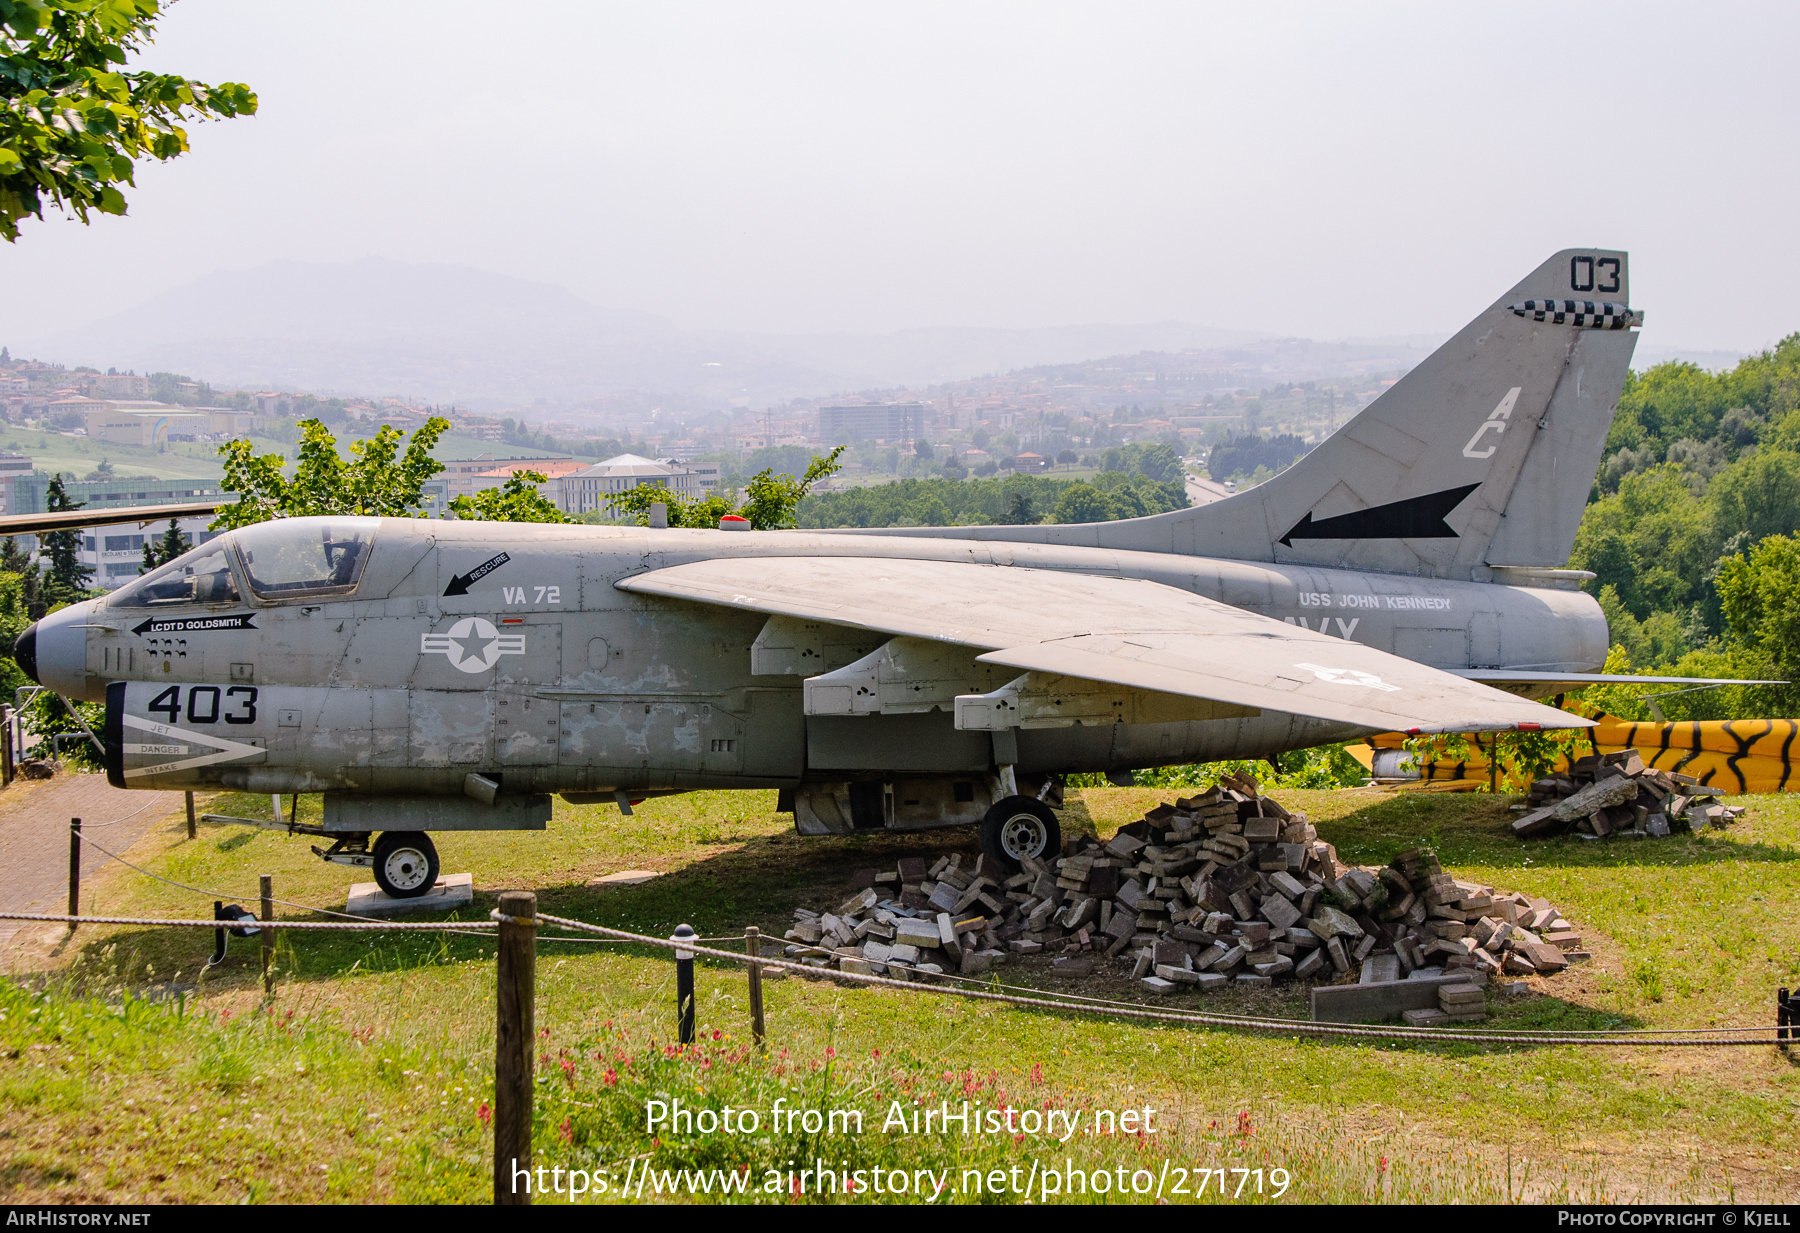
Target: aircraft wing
x,y
1502,677
38,524
1117,630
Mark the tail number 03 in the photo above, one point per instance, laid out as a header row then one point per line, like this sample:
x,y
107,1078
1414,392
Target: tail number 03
x,y
1586,272
207,704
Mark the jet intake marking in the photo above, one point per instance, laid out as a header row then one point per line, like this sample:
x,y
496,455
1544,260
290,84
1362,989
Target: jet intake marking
x,y
1348,676
460,583
193,625
1584,314
472,644
1413,518
227,751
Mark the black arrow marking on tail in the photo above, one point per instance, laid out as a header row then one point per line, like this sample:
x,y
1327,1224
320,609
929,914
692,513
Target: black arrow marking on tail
x,y
460,583
1413,518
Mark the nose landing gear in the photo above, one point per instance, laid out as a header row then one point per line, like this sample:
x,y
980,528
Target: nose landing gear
x,y
405,863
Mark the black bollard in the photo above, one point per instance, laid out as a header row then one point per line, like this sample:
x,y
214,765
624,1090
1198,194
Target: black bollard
x,y
1784,1016
684,984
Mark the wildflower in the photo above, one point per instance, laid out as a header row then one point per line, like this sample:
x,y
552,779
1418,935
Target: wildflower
x,y
1382,1166
830,1052
718,1035
484,1114
610,1078
566,1132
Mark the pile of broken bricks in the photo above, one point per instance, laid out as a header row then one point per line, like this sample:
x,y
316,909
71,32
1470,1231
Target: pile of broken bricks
x,y
1616,795
1224,888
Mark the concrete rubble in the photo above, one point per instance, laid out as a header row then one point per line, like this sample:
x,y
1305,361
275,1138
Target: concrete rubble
x,y
1616,795
1223,888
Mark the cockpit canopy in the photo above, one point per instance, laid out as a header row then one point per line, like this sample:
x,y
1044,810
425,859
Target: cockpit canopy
x,y
292,557
287,558
202,576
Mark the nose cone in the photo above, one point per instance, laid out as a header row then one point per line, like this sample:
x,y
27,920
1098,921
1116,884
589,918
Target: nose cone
x,y
25,652
57,651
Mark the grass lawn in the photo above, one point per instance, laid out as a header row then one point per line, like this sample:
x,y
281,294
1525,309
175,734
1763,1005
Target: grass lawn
x,y
127,1076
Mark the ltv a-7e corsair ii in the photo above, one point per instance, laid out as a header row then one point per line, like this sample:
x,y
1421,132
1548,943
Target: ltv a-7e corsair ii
x,y
443,675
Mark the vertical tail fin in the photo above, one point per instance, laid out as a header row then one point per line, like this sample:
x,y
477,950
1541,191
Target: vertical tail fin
x,y
1481,456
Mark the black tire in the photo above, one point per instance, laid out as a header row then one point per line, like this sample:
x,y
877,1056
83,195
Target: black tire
x,y
406,863
1020,826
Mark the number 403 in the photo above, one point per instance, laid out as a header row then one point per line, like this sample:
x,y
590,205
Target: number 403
x,y
208,704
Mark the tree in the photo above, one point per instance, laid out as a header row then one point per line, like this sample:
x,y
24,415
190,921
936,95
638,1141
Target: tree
x,y
771,499
377,481
160,551
923,449
1761,597
102,472
17,563
518,500
1084,503
73,121
1020,510
1067,458
67,580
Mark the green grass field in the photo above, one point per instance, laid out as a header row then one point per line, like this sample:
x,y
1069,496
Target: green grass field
x,y
126,1075
52,451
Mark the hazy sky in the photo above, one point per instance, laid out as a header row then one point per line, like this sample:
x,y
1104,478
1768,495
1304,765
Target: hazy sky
x,y
1323,170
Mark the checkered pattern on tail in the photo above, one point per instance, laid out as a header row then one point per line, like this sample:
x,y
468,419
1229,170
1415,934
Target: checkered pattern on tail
x,y
1583,314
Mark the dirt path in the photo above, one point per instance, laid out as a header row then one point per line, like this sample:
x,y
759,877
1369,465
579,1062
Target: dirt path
x,y
34,837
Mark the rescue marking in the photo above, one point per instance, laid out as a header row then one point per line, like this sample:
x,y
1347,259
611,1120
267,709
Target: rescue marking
x,y
472,644
460,583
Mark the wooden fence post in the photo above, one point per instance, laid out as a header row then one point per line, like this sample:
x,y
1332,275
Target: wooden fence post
x,y
74,870
268,935
190,807
515,1036
6,745
753,944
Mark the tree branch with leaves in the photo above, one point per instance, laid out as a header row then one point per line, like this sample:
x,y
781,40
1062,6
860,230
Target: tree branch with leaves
x,y
73,122
517,500
377,480
771,499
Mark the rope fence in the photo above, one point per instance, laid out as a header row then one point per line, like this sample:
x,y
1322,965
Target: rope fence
x,y
946,984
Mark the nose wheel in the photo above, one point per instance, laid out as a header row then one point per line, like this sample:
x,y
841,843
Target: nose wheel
x,y
406,863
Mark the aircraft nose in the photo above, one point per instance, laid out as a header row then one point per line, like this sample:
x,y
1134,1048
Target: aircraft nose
x,y
53,652
25,653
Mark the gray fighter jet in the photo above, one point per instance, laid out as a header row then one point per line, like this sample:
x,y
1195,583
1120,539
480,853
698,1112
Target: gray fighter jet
x,y
440,675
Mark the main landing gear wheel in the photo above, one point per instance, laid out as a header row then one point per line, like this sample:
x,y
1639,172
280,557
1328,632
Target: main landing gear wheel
x,y
406,863
1020,826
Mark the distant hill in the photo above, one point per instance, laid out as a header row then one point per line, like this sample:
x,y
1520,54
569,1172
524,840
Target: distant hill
x,y
451,333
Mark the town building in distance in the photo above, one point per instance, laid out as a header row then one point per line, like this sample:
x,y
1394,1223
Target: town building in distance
x,y
881,421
